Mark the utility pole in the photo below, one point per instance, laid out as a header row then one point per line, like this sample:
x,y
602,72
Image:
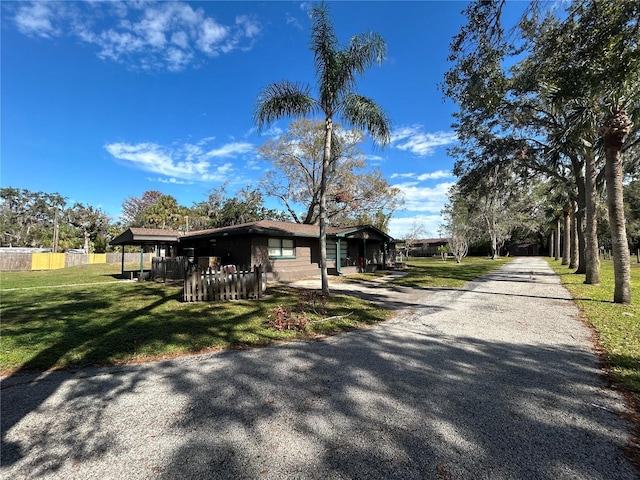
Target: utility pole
x,y
55,232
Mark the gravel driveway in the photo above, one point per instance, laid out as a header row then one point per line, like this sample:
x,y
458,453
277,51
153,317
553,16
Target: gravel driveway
x,y
494,381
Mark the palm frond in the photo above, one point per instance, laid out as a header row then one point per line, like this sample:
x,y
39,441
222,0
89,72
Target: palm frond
x,y
324,42
365,50
365,114
282,99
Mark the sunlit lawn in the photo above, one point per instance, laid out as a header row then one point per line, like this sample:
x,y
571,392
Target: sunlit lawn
x,y
617,326
434,272
112,323
94,273
75,318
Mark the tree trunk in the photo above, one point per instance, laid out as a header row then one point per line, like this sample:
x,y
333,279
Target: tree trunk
x,y
494,247
552,243
580,220
566,246
592,258
575,253
491,225
616,128
557,246
323,205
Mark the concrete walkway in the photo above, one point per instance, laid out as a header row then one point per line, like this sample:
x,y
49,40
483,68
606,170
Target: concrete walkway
x,y
494,381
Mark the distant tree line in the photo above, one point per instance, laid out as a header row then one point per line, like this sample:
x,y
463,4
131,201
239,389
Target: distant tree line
x,y
39,219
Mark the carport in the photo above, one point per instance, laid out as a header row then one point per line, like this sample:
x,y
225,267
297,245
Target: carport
x,y
142,237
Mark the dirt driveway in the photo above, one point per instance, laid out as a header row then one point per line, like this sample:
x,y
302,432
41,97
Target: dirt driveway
x,y
495,381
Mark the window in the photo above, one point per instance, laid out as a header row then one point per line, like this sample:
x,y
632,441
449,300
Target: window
x,y
281,248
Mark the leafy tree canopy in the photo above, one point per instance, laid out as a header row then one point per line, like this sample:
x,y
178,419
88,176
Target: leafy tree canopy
x,y
295,180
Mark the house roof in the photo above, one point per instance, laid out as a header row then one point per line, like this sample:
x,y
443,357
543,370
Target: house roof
x,y
271,227
146,236
431,241
153,236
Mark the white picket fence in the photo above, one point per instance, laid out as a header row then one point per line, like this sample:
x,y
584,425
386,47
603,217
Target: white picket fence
x,y
227,283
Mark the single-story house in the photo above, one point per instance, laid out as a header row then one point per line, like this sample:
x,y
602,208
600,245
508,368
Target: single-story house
x,y
287,250
290,250
427,247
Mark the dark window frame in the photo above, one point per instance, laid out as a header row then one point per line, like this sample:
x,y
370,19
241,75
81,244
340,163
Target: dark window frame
x,y
282,248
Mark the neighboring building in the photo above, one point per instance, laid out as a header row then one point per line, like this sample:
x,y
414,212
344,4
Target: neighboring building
x,y
524,250
287,250
427,247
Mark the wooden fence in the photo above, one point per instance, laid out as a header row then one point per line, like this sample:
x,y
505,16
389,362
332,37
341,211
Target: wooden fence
x,y
19,260
173,268
209,285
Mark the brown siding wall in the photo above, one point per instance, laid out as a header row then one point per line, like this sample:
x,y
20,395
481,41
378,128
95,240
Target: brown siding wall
x,y
287,269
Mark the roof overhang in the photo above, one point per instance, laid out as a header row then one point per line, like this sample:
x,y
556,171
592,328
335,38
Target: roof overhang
x,y
143,236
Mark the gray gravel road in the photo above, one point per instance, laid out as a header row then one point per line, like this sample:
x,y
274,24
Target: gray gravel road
x,y
495,381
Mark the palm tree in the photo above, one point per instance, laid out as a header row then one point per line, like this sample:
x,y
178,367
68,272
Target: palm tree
x,y
614,131
336,71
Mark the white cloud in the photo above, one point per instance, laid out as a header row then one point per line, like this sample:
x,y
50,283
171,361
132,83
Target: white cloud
x,y
211,34
438,174
37,19
375,159
231,150
249,26
399,227
219,174
423,205
273,131
424,199
254,165
147,36
293,21
171,181
416,141
179,163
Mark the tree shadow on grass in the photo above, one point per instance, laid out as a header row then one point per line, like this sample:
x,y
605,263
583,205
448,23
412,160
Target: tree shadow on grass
x,y
87,329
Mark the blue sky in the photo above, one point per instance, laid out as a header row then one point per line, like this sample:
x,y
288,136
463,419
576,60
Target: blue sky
x,y
102,101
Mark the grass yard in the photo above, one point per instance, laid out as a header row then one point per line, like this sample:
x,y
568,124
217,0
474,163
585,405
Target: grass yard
x,y
73,318
95,273
433,272
617,326
106,324
425,272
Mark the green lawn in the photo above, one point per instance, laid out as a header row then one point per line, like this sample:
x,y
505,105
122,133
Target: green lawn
x,y
76,319
111,323
617,326
433,272
99,272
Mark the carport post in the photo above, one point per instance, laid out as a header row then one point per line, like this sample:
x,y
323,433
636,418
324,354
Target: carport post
x,y
141,261
364,260
338,256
